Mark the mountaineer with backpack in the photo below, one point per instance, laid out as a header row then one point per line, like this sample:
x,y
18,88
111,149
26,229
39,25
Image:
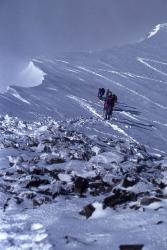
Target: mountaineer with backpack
x,y
109,103
101,93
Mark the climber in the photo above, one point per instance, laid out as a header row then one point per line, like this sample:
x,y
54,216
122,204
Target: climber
x,y
109,105
101,93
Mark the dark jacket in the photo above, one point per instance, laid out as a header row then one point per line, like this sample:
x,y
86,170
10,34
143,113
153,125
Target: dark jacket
x,y
109,104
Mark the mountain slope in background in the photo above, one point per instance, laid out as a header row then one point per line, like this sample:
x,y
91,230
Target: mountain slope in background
x,y
136,73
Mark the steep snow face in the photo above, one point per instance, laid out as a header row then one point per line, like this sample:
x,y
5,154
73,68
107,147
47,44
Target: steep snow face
x,y
136,73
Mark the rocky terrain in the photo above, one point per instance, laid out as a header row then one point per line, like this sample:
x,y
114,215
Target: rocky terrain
x,y
48,162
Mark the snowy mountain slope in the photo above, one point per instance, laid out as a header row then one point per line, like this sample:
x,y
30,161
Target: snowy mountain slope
x,y
136,73
73,180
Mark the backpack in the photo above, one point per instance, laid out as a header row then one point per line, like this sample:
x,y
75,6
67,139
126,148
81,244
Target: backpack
x,y
109,103
115,98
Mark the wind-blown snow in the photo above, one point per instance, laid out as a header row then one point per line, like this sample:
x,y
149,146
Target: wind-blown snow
x,y
14,93
145,62
32,75
62,61
156,29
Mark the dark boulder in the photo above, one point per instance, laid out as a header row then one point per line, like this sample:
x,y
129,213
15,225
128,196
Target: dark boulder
x,y
131,247
119,197
54,160
129,181
36,182
38,170
145,201
87,211
80,185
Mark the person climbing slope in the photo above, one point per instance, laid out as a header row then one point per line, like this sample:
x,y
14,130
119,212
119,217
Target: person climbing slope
x,y
101,93
109,105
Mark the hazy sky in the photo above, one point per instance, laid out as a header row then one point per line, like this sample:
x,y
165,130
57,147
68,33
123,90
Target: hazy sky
x,y
30,28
